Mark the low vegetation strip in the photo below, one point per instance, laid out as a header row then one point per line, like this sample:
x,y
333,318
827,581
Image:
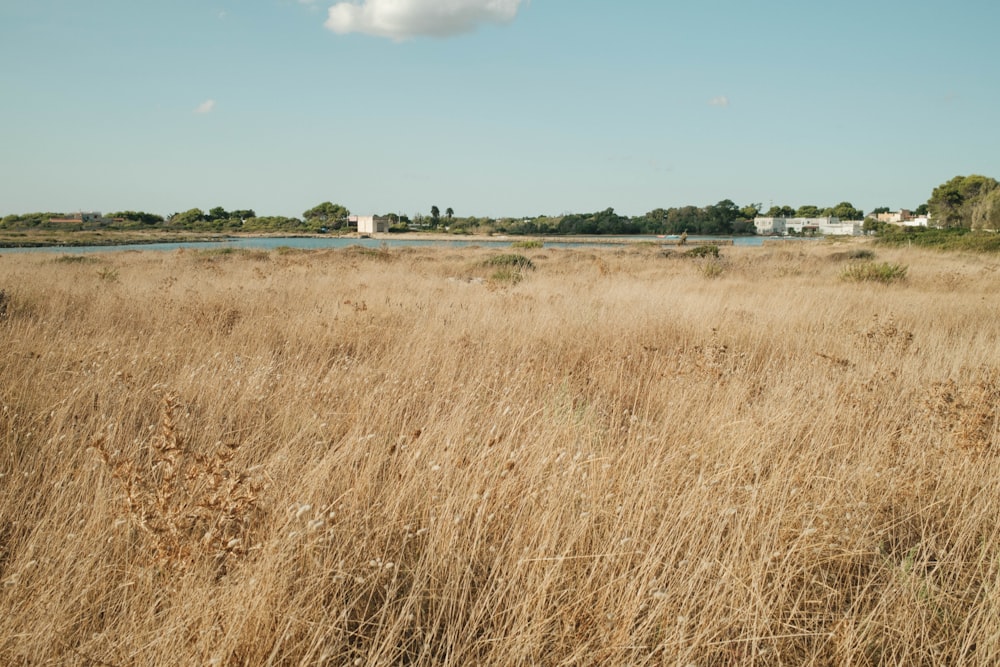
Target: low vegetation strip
x,y
71,239
343,457
942,239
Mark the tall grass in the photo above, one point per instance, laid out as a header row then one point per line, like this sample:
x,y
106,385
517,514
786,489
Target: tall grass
x,y
338,457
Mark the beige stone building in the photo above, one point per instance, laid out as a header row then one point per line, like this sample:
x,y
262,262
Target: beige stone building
x,y
371,224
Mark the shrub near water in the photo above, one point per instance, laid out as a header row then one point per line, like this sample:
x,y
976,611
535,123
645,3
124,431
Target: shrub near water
x,y
512,261
702,251
855,254
330,458
508,268
75,259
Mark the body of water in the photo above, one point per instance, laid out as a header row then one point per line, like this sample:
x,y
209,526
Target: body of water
x,y
319,242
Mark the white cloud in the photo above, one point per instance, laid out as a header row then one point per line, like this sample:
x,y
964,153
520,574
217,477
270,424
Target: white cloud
x,y
402,19
720,101
205,107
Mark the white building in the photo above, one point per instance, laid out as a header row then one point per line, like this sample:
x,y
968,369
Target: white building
x,y
843,228
902,216
371,224
829,225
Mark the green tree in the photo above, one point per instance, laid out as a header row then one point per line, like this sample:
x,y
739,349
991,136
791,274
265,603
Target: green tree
x,y
137,216
326,214
683,219
719,219
242,214
881,209
217,213
751,211
873,226
272,223
189,218
654,222
29,219
846,211
435,214
952,204
449,213
807,211
780,212
986,213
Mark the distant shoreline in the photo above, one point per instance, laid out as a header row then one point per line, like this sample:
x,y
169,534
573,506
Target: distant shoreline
x,y
109,239
69,240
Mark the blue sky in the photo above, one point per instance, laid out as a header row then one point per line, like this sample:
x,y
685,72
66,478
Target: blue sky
x,y
492,107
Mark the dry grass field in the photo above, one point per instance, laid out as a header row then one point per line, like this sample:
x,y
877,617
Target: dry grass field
x,y
431,457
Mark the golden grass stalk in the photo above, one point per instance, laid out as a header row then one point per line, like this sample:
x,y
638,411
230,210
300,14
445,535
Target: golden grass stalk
x,y
341,457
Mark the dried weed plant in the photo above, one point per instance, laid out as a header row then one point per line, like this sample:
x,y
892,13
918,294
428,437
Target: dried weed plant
x,y
968,409
186,505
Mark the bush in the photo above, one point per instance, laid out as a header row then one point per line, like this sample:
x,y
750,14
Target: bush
x,y
506,276
856,254
883,272
515,261
381,252
211,253
861,253
712,268
74,259
703,251
527,245
226,252
108,274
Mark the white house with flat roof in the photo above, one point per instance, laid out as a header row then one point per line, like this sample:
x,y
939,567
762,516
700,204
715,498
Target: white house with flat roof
x,y
830,225
371,224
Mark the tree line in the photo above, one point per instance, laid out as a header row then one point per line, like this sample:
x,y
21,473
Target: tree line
x,y
324,217
964,202
724,217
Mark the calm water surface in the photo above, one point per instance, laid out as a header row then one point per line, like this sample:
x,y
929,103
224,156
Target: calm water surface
x,y
315,243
